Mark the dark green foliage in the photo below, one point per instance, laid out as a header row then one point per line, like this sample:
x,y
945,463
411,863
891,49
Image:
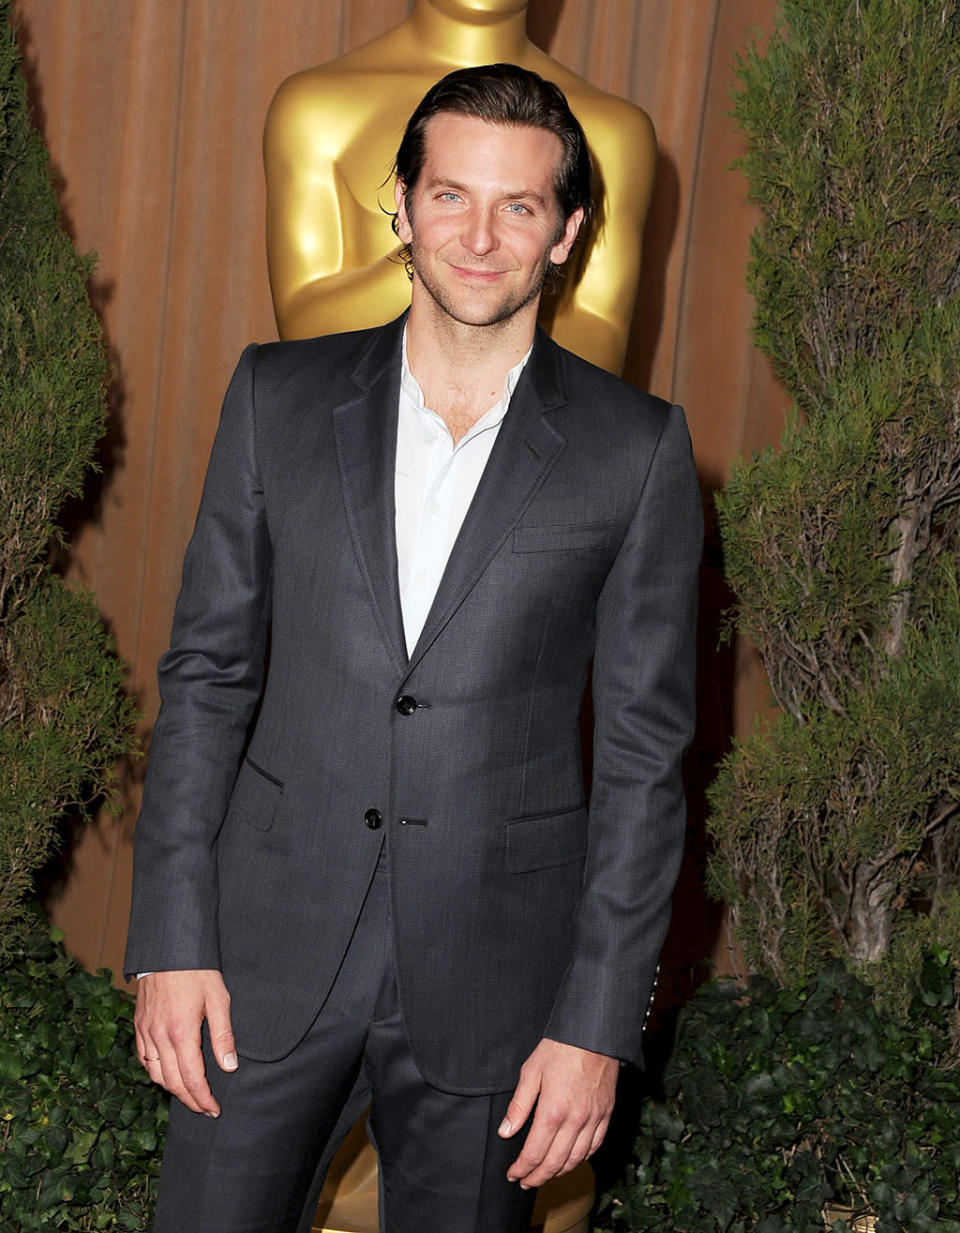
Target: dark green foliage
x,y
835,824
852,114
79,1120
779,1101
81,1124
52,360
70,723
63,718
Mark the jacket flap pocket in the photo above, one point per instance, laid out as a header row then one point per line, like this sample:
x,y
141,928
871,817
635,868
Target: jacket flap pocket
x,y
559,539
256,796
540,843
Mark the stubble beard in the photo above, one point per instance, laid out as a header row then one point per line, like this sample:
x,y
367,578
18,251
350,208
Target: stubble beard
x,y
497,314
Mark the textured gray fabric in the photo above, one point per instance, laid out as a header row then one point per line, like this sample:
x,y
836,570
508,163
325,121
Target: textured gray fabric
x,y
518,910
258,1168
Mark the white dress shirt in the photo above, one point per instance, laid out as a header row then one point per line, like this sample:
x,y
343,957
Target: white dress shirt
x,y
434,484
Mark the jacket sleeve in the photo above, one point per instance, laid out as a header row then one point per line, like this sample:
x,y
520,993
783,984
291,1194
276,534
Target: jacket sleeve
x,y
210,682
643,694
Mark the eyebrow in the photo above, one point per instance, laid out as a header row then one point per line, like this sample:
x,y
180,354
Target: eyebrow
x,y
519,194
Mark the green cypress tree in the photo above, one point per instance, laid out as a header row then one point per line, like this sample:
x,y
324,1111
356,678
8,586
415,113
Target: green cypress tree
x,y
64,720
835,824
80,1122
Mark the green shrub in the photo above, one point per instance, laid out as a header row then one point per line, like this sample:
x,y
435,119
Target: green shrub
x,y
835,825
779,1101
64,719
80,1122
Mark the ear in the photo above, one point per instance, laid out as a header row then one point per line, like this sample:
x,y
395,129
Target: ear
x,y
561,250
404,230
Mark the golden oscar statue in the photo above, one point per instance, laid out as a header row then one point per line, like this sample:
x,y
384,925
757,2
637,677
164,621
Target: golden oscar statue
x,y
331,135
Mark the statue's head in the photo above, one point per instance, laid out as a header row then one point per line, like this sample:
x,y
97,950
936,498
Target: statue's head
x,y
508,95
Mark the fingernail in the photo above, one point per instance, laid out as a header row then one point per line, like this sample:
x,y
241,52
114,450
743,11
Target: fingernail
x,y
214,1115
230,1061
524,1186
504,1128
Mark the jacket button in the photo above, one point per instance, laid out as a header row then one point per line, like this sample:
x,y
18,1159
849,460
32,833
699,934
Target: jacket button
x,y
406,705
373,819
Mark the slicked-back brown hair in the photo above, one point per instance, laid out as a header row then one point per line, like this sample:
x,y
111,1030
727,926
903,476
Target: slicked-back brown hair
x,y
512,96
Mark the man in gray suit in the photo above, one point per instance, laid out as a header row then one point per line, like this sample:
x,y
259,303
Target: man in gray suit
x,y
365,865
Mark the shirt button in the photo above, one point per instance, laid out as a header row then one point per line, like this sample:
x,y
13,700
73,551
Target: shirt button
x,y
406,705
373,819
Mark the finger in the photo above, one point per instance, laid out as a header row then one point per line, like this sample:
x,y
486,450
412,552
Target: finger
x,y
521,1103
146,1051
162,1064
599,1134
221,1033
141,1047
183,1074
553,1131
582,1148
149,1056
143,1051
545,1152
193,1078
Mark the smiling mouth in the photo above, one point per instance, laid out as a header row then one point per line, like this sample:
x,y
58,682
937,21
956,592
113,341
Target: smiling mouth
x,y
480,273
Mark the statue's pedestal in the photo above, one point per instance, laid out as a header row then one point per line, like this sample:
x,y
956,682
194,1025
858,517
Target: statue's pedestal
x,y
348,1202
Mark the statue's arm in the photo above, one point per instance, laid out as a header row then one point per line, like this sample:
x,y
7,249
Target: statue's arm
x,y
326,273
595,320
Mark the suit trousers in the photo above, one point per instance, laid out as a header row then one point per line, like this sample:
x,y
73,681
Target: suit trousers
x,y
259,1167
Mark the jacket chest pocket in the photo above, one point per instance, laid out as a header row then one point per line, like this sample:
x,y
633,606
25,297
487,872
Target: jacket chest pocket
x,y
560,538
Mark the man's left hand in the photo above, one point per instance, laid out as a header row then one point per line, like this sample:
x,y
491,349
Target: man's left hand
x,y
573,1090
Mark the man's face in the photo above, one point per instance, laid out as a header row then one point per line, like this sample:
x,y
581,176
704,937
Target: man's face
x,y
482,221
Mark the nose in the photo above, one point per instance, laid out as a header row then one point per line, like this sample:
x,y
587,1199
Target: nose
x,y
479,232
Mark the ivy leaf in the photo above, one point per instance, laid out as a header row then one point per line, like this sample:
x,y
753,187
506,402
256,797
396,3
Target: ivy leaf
x,y
11,1066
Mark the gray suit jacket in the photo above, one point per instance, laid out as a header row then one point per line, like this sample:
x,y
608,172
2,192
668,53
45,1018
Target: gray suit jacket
x,y
293,721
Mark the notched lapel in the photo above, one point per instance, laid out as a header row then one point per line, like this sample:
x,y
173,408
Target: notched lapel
x,y
525,451
366,436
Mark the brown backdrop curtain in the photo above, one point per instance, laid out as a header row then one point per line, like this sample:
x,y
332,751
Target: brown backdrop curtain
x,y
153,112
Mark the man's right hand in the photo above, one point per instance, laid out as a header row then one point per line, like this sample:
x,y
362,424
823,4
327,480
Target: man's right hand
x,y
171,1008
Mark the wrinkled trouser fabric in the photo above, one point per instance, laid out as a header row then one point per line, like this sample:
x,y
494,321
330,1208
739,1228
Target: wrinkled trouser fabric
x,y
258,1168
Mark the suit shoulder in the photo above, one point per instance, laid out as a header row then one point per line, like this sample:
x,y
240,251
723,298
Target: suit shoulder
x,y
304,377
324,349
330,367
603,393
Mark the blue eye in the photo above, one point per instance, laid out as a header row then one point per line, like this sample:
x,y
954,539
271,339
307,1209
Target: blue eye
x,y
517,207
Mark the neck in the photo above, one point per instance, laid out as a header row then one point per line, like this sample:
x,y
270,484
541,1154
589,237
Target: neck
x,y
462,368
478,39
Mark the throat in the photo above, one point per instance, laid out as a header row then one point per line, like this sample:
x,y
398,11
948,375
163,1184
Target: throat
x,y
462,371
460,409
